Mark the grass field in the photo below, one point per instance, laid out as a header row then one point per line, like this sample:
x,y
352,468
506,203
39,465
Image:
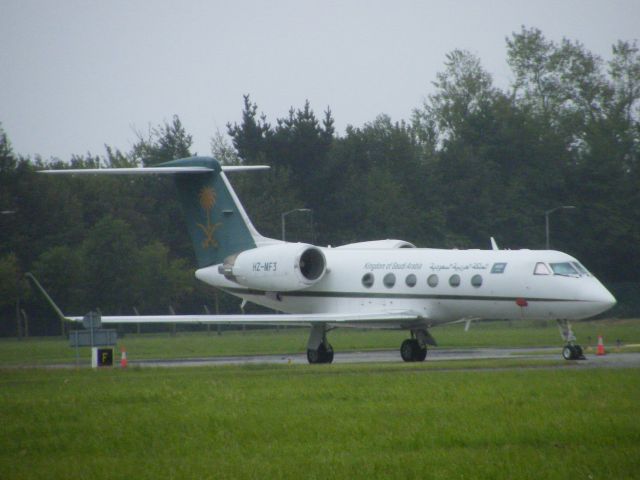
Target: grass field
x,y
334,421
293,340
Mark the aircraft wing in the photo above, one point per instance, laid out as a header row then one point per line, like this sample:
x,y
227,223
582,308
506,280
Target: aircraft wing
x,y
380,319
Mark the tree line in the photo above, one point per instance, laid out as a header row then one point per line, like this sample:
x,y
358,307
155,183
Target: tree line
x,y
473,161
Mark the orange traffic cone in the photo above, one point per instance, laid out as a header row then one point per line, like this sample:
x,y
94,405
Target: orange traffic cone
x,y
123,357
600,350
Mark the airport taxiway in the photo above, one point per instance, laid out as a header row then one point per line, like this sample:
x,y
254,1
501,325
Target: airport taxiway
x,y
615,360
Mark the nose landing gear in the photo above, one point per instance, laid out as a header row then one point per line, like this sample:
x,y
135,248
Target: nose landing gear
x,y
571,350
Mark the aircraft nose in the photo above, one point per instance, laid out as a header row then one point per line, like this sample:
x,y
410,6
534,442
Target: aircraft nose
x,y
603,299
610,300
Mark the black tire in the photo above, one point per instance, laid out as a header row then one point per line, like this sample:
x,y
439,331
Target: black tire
x,y
328,353
321,355
577,350
421,353
407,350
313,356
411,351
568,352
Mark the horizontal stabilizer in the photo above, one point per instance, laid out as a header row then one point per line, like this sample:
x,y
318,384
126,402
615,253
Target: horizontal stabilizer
x,y
216,221
152,170
128,171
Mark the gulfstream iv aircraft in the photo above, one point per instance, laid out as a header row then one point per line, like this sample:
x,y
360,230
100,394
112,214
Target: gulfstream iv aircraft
x,y
378,284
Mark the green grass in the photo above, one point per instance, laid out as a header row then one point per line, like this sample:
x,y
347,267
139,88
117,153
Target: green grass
x,y
293,340
335,421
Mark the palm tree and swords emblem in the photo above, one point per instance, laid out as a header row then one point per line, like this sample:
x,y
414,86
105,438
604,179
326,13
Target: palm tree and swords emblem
x,y
207,199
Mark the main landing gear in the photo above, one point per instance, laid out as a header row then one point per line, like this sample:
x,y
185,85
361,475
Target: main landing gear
x,y
411,351
319,350
571,350
323,354
414,349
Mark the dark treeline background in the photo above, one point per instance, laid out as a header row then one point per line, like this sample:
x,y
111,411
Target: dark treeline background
x,y
474,161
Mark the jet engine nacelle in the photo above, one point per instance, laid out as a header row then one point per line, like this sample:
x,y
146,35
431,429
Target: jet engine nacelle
x,y
276,268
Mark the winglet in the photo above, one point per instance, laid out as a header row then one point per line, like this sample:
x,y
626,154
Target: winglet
x,y
55,307
494,245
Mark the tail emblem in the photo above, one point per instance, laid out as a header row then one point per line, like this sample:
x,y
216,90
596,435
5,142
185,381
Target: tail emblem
x,y
207,199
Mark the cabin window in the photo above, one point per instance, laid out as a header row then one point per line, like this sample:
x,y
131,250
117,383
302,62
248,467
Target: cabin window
x,y
498,267
476,281
454,280
367,280
564,268
411,280
541,269
432,281
389,280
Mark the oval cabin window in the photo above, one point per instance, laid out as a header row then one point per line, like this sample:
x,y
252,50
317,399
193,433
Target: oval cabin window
x,y
389,280
367,280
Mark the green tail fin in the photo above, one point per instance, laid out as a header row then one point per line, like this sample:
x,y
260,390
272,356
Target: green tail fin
x,y
217,223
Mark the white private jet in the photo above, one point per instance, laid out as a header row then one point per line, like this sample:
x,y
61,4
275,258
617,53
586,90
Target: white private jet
x,y
386,284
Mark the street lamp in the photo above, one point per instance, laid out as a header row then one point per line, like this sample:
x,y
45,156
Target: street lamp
x,y
546,218
291,211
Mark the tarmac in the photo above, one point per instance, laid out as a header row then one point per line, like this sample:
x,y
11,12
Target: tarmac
x,y
611,360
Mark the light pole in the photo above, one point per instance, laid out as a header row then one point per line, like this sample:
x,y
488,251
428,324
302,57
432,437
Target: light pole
x,y
287,213
546,219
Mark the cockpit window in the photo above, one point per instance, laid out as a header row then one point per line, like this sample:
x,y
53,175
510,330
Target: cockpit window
x,y
581,269
564,268
541,269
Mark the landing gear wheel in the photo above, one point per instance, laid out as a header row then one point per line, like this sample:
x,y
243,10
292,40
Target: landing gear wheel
x,y
327,354
313,356
411,351
577,351
573,352
406,350
321,355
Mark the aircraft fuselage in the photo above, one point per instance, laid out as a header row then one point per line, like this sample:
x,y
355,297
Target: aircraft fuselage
x,y
441,286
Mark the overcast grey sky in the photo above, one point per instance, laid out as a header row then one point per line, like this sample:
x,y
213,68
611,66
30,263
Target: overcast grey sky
x,y
75,75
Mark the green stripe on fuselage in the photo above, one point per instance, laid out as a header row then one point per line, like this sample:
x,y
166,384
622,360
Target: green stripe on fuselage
x,y
405,296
